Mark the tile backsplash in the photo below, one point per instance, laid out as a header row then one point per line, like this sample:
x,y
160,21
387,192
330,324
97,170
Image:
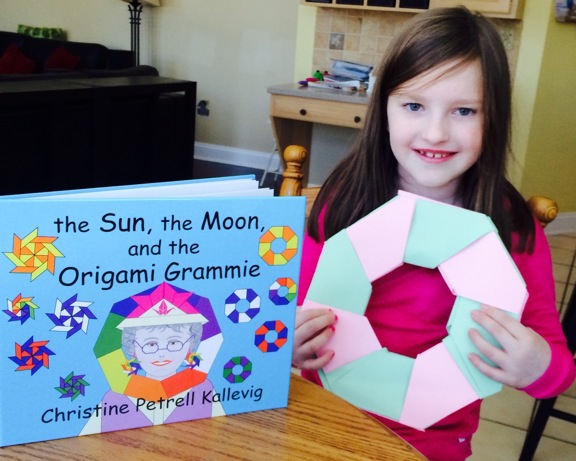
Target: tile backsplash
x,y
363,36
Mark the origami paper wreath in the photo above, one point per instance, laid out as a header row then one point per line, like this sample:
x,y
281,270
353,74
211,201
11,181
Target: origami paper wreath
x,y
476,266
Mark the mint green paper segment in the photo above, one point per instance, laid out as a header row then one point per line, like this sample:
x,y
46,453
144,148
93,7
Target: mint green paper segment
x,y
377,382
340,280
460,346
440,231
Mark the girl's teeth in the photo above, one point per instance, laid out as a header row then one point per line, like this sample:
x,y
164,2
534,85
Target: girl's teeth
x,y
433,155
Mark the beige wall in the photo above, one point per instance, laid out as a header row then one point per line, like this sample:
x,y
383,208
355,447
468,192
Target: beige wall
x,y
550,157
233,49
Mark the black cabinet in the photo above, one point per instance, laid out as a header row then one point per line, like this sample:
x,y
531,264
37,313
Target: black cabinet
x,y
74,134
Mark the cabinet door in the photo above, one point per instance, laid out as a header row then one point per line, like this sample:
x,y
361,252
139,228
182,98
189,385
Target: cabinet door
x,y
497,8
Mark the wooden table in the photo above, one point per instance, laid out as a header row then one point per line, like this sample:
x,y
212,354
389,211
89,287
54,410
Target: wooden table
x,y
317,425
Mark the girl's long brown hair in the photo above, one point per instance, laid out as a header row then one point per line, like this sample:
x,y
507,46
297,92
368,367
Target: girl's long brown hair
x,y
368,176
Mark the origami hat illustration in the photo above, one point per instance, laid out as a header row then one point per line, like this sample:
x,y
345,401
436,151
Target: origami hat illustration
x,y
164,313
163,305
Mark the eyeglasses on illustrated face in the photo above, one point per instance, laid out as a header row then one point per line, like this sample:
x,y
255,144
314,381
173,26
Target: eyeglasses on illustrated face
x,y
151,347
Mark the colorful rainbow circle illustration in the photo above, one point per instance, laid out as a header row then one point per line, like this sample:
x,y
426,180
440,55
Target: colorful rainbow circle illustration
x,y
163,304
282,291
271,336
235,302
237,369
278,245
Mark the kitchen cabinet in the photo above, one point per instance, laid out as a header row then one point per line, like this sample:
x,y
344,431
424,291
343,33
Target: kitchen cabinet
x,y
509,9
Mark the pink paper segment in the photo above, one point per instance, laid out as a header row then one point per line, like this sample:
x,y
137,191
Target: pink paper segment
x,y
353,337
437,389
485,272
380,237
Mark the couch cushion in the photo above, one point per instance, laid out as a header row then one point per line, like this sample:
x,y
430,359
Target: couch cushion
x,y
61,58
92,55
8,38
14,61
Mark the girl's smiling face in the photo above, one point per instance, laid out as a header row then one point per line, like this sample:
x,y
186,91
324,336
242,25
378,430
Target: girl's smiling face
x,y
157,350
435,123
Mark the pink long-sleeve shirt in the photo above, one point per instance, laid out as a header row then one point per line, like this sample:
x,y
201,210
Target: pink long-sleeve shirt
x,y
400,314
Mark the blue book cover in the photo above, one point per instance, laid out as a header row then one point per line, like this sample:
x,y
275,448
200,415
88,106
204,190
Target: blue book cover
x,y
128,312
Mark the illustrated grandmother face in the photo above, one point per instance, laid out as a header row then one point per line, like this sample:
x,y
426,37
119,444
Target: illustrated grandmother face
x,y
161,349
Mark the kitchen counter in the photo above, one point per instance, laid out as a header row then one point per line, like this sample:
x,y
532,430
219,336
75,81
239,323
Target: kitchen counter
x,y
294,89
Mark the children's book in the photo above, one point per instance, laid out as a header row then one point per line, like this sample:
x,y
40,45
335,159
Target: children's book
x,y
144,305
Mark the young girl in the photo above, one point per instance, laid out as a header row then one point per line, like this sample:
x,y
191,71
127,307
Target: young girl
x,y
438,126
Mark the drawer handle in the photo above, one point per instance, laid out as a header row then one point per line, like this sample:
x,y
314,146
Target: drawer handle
x,y
357,119
302,111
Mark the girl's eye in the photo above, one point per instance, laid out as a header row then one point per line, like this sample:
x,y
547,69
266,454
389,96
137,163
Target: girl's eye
x,y
413,106
465,111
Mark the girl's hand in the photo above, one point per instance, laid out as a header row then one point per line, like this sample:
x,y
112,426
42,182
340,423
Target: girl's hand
x,y
524,356
314,327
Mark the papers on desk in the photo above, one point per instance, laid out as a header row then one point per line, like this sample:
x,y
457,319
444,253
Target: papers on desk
x,y
476,266
350,70
346,75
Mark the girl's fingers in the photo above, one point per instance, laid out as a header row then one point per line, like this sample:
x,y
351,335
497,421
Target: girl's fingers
x,y
314,327
311,322
316,363
505,329
523,356
305,315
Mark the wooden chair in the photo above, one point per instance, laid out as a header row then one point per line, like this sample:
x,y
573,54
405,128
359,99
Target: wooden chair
x,y
294,158
544,208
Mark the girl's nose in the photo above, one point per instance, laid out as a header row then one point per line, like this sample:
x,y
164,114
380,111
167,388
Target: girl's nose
x,y
436,129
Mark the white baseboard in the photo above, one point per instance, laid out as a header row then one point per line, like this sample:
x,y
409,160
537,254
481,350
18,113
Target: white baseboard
x,y
267,161
563,224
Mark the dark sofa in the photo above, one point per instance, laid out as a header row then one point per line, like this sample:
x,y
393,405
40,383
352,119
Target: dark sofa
x,y
23,57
